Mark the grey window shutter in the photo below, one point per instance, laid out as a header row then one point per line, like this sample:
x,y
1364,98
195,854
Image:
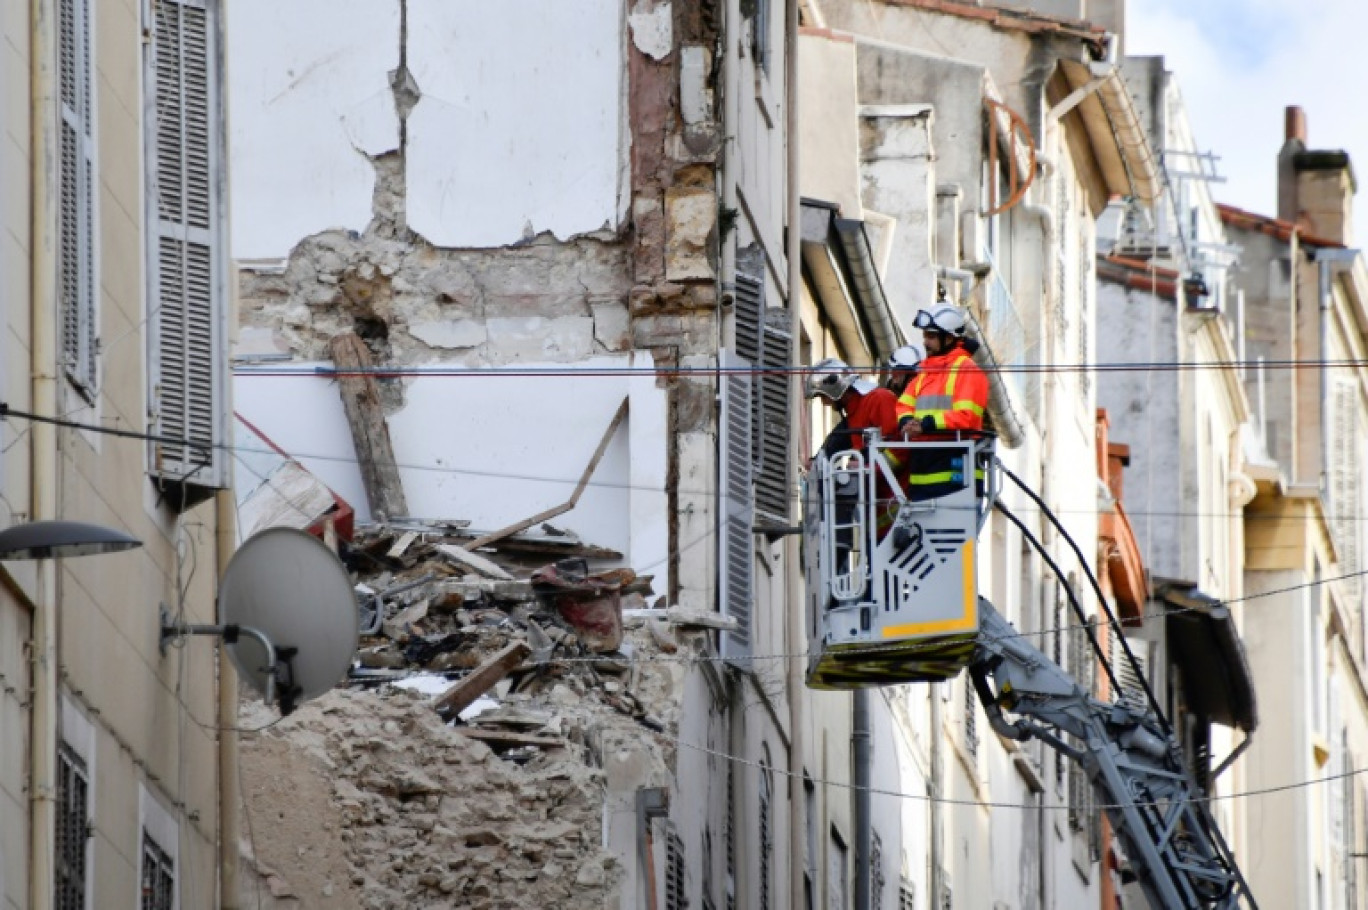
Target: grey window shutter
x,y
762,338
76,218
736,563
1132,682
774,417
1344,483
186,264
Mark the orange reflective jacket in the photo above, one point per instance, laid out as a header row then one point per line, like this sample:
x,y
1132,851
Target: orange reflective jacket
x,y
950,389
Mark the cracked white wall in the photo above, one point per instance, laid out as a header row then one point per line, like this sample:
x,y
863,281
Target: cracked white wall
x,y
517,130
495,449
309,104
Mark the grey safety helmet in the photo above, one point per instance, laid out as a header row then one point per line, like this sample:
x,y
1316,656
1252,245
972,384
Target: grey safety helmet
x,y
907,357
829,378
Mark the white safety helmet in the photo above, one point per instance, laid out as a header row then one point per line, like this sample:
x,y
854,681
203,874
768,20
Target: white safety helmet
x,y
907,357
943,317
830,378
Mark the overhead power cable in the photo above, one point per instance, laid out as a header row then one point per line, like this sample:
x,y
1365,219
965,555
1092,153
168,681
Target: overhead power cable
x,y
604,370
7,412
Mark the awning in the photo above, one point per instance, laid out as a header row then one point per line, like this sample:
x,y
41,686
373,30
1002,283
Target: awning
x,y
1206,647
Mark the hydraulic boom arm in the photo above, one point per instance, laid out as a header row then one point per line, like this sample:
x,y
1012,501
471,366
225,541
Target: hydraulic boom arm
x,y
1157,811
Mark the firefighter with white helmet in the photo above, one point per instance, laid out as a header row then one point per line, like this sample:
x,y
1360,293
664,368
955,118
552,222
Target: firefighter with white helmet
x,y
948,394
902,366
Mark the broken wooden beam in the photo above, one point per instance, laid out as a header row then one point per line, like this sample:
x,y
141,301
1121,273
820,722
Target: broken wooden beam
x,y
473,561
507,739
370,432
480,680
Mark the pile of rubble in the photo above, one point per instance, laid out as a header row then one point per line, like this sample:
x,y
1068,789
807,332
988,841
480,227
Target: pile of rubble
x,y
463,762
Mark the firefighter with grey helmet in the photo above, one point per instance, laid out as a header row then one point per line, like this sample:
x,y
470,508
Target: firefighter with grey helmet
x,y
861,404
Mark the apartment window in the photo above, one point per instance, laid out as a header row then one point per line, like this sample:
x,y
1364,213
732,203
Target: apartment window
x,y
838,872
73,818
186,291
763,341
810,860
971,740
76,216
676,895
708,903
766,834
729,836
876,870
759,13
158,876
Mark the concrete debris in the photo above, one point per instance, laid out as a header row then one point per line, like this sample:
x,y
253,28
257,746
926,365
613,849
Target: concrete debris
x,y
466,763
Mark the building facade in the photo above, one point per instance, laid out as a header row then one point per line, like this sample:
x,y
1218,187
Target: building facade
x,y
1304,285
529,219
115,314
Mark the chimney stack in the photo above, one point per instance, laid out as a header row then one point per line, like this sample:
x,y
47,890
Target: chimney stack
x,y
1295,124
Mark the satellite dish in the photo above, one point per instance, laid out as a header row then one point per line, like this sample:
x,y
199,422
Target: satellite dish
x,y
285,586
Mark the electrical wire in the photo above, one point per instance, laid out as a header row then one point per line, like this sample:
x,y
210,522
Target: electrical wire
x,y
660,371
240,451
1042,805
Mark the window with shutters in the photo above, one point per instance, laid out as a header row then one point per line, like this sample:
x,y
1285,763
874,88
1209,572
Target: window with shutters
x,y
1345,503
763,339
876,870
736,556
729,838
838,872
186,293
971,740
1130,676
766,845
158,876
676,893
76,207
73,817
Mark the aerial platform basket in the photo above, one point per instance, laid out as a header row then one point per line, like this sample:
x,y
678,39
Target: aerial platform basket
x,y
891,588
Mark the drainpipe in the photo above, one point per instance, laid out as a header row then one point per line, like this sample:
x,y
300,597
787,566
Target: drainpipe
x,y
860,739
795,623
43,443
230,799
934,788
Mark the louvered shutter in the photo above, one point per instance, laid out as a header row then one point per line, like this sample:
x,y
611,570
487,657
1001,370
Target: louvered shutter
x,y
774,415
186,264
1130,676
76,212
735,560
1344,484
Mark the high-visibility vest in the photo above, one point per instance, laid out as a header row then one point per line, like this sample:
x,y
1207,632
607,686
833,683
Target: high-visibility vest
x,y
952,391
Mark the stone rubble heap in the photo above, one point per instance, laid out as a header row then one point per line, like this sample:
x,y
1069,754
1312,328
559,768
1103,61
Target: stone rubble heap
x,y
369,797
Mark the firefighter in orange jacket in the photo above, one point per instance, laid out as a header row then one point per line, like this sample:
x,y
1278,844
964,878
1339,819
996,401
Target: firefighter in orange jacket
x,y
949,393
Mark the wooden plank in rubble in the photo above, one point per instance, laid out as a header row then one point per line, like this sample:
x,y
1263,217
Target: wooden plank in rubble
x,y
370,433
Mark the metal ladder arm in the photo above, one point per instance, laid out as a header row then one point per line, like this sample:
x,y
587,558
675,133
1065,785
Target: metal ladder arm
x,y
1157,811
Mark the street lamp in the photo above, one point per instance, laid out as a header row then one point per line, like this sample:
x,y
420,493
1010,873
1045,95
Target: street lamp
x,y
48,539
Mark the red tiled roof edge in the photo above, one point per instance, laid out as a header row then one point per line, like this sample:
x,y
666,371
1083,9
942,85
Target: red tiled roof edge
x,y
1007,18
1273,227
1139,276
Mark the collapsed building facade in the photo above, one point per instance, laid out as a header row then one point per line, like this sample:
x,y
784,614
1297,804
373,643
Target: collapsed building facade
x,y
524,294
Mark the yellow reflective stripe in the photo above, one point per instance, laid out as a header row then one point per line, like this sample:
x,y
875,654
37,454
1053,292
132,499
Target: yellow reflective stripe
x,y
967,406
954,374
939,419
941,477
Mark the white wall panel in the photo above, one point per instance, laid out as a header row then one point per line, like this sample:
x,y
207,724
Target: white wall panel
x,y
309,100
518,129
